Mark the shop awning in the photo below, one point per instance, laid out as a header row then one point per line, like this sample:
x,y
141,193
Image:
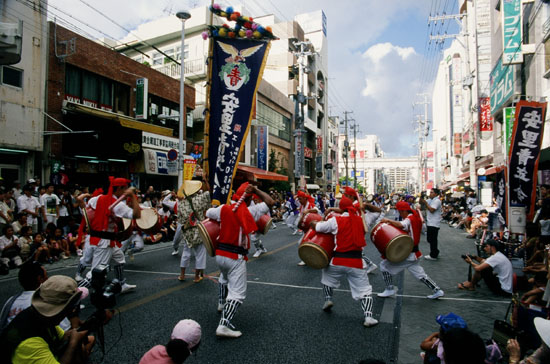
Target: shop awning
x,y
123,120
258,173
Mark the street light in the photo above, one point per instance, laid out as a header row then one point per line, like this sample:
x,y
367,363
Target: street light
x,y
183,15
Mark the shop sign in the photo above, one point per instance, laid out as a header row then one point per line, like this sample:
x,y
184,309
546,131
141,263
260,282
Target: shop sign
x,y
509,120
485,117
189,168
262,138
160,142
511,32
308,153
157,162
319,144
503,85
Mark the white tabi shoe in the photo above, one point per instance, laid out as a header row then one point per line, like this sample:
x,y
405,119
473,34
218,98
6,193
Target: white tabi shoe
x,y
127,287
370,321
437,294
175,252
301,263
371,268
327,307
387,293
224,331
257,253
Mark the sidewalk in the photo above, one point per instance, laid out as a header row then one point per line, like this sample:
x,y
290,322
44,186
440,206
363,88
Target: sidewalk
x,y
479,308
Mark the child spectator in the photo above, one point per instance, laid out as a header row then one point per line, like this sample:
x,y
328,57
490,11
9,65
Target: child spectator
x,y
39,249
21,220
25,241
59,247
9,248
432,345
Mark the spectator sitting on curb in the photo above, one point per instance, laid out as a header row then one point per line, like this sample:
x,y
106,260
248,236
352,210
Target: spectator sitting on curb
x,y
496,270
461,346
39,249
24,242
541,355
433,345
185,339
9,249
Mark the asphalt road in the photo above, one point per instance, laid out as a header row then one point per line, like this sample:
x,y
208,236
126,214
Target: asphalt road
x,y
281,319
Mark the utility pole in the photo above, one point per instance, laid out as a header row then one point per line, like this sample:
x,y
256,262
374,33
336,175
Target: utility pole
x,y
354,127
346,143
300,101
423,132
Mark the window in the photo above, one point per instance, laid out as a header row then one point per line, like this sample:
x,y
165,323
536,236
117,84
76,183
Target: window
x,y
157,58
185,52
279,125
12,76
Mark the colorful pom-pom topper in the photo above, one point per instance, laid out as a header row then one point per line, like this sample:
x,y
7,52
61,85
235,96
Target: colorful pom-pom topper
x,y
251,29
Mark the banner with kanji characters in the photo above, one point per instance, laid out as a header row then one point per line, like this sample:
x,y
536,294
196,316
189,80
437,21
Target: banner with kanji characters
x,y
524,154
262,139
237,68
500,192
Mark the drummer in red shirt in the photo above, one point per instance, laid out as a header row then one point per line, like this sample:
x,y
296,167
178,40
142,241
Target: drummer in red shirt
x,y
307,205
349,237
412,224
232,250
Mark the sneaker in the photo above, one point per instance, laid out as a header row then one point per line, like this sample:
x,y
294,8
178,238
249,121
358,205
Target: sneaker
x,y
220,307
264,250
371,268
127,287
224,331
78,278
437,294
64,256
175,252
429,257
79,252
387,293
295,232
257,253
301,263
328,306
370,321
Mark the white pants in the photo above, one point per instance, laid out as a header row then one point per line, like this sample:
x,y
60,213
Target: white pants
x,y
292,220
87,252
138,243
411,264
103,255
200,256
358,279
233,273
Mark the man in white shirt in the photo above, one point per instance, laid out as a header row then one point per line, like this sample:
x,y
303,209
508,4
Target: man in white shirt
x,y
49,205
496,271
433,221
29,204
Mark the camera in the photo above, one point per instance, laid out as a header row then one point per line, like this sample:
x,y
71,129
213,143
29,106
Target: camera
x,y
467,256
103,293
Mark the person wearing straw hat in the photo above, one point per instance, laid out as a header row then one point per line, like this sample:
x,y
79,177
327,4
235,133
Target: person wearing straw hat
x,y
541,355
349,238
412,224
237,221
193,201
34,335
103,228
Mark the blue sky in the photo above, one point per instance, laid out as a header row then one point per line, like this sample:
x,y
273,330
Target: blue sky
x,y
378,58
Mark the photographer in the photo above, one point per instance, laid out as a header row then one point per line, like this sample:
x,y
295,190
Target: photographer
x,y
496,270
34,334
433,221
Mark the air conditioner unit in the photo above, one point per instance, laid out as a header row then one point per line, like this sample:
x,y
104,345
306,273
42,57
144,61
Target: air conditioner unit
x,y
11,39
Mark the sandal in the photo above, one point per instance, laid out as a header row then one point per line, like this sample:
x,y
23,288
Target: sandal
x,y
181,279
464,288
197,279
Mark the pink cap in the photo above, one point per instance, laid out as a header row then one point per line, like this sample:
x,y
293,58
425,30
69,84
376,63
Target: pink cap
x,y
188,331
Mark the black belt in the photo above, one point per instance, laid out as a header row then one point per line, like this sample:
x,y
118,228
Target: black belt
x,y
349,254
105,235
232,249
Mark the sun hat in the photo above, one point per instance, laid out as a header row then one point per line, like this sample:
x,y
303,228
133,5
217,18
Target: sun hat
x,y
188,331
543,329
189,187
451,321
55,295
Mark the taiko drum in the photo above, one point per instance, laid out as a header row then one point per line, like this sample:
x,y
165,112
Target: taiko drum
x,y
395,244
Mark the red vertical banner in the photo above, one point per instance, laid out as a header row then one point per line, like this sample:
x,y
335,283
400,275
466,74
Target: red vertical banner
x,y
485,117
319,144
457,138
362,154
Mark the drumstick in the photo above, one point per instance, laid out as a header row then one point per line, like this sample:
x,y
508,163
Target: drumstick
x,y
119,200
239,202
362,213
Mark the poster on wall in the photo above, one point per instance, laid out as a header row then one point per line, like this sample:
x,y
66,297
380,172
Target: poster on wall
x,y
262,138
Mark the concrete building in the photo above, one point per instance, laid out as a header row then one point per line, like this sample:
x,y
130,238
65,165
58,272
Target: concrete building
x,y
22,93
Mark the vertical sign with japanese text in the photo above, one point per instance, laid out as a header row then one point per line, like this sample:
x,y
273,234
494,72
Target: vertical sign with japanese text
x,y
511,32
524,154
503,85
500,192
485,117
262,138
237,68
509,121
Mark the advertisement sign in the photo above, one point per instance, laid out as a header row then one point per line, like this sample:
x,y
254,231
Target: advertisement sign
x,y
485,117
500,192
189,168
457,139
308,153
160,142
142,89
509,120
237,68
157,162
511,32
503,84
319,144
298,153
524,154
262,139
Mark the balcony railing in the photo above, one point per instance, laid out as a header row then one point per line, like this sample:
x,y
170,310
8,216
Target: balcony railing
x,y
546,29
195,67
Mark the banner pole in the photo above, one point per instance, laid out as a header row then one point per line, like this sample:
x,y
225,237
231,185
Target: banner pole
x,y
205,164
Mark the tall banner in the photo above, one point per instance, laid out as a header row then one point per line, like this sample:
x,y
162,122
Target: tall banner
x,y
485,117
511,32
500,192
261,131
237,68
524,154
509,115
